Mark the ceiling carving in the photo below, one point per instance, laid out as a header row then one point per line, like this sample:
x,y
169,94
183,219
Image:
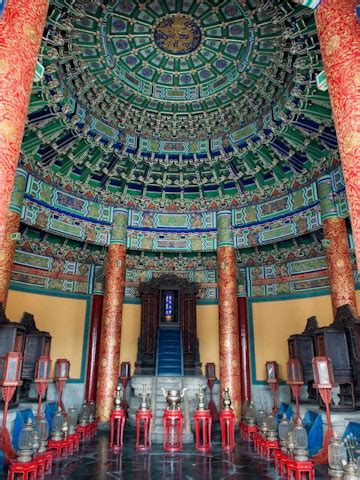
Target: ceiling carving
x,y
179,104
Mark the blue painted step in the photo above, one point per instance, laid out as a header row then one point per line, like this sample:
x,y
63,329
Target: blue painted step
x,y
169,352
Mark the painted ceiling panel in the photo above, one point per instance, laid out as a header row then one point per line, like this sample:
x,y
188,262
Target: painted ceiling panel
x,y
195,104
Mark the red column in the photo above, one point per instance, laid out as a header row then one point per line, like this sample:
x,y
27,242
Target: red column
x,y
244,349
21,28
7,252
338,32
94,345
109,353
341,278
229,326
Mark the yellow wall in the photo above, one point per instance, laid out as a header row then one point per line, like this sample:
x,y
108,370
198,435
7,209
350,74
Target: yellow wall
x,y
208,333
130,332
63,318
275,321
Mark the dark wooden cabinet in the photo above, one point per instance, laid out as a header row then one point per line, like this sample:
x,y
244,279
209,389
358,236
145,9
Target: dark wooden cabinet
x,y
302,347
332,343
12,334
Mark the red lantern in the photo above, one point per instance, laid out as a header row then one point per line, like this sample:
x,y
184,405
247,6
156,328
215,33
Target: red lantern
x,y
324,382
42,379
272,378
61,376
295,380
10,371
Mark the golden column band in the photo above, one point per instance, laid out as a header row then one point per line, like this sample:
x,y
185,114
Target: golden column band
x,y
109,351
338,33
228,312
21,27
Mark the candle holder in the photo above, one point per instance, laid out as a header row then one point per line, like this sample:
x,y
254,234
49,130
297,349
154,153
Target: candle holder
x,y
227,423
144,418
210,371
202,423
125,374
117,421
324,383
10,370
272,378
296,381
61,376
42,379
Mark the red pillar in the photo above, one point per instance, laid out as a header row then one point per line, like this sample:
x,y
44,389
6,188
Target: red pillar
x,y
338,32
229,326
21,28
109,351
341,278
245,381
94,345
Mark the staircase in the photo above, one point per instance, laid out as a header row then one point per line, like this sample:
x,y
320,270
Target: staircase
x,y
169,361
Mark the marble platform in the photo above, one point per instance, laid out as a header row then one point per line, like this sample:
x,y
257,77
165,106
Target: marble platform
x,y
157,401
95,461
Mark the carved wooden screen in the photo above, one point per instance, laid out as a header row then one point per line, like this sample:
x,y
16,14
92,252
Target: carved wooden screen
x,y
149,320
188,321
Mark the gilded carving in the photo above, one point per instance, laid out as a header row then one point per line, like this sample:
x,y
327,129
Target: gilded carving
x,y
12,223
21,28
109,352
340,272
228,326
338,32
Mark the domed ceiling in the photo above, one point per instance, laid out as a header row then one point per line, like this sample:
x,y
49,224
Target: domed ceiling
x,y
179,103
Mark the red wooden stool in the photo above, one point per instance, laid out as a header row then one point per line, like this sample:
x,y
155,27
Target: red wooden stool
x,y
84,431
60,447
93,428
40,469
143,429
227,425
23,471
300,470
117,423
277,455
173,421
74,439
242,426
284,459
247,432
268,447
280,458
257,439
202,424
44,460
